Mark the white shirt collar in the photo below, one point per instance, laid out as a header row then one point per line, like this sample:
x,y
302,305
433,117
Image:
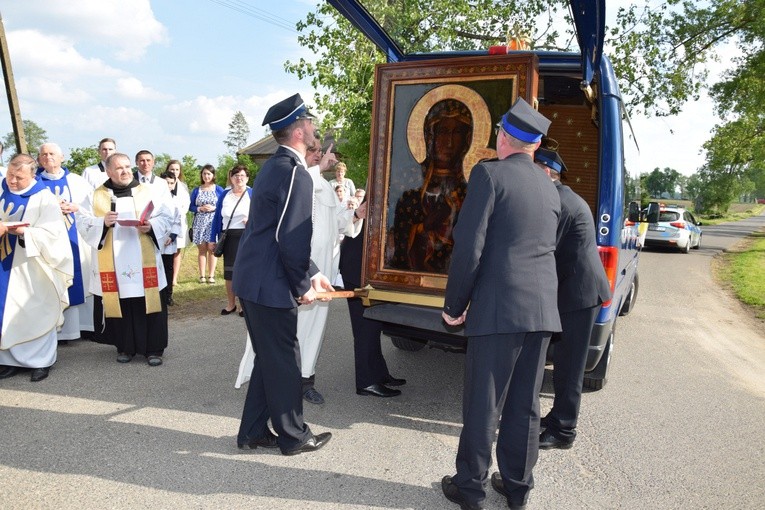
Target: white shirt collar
x,y
300,157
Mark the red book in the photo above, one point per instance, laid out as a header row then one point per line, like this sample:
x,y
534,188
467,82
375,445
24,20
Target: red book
x,y
145,215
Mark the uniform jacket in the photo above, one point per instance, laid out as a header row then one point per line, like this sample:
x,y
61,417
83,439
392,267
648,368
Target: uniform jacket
x,y
273,264
503,262
582,281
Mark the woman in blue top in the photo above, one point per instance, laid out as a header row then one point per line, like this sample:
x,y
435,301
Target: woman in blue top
x,y
231,217
204,202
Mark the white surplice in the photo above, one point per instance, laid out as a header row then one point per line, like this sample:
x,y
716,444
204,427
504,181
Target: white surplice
x,y
40,275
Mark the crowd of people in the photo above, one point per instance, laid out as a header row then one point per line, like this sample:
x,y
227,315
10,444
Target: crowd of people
x,y
524,269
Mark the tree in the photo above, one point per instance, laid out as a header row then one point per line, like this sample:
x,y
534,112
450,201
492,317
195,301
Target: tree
x,y
82,157
238,132
226,162
673,42
34,134
346,59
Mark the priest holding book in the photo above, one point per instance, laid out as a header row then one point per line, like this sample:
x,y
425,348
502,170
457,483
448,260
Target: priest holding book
x,y
126,223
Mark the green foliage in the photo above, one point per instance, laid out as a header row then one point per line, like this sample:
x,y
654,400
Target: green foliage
x,y
238,132
82,157
661,181
34,135
346,60
226,162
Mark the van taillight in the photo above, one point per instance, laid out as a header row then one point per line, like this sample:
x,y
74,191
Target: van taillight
x,y
609,256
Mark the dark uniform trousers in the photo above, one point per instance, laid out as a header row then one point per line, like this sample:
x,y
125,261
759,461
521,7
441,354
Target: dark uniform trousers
x,y
503,375
371,367
569,359
277,366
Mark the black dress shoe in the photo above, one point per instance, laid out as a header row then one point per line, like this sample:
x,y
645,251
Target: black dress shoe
x,y
392,381
454,495
267,441
498,485
38,374
378,390
547,440
8,371
227,312
312,444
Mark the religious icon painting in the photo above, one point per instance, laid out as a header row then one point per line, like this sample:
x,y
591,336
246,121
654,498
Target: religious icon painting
x,y
432,122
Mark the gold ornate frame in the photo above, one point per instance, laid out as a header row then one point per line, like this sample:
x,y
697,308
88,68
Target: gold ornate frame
x,y
404,94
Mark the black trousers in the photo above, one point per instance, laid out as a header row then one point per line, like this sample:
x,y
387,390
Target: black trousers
x,y
275,386
167,262
503,376
371,367
569,359
136,332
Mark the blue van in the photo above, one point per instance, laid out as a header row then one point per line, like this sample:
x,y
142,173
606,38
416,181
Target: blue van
x,y
578,92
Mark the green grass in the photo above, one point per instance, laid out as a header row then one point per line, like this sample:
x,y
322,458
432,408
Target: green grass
x,y
744,270
189,289
735,212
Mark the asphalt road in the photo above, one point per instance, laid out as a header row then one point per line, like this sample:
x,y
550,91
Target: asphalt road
x,y
678,425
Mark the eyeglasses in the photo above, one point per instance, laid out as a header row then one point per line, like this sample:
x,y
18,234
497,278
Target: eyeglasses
x,y
239,176
497,128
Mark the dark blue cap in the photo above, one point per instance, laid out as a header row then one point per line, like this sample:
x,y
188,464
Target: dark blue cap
x,y
550,159
524,123
285,112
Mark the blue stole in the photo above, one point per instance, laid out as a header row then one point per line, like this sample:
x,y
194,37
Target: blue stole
x,y
60,188
12,208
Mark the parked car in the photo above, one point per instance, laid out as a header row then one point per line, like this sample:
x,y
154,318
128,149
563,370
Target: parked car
x,y
676,227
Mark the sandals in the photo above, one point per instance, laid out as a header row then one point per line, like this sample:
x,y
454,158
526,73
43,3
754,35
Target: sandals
x,y
210,279
202,279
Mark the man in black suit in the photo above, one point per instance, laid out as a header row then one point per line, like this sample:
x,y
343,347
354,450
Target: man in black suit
x,y
372,376
503,265
582,288
273,274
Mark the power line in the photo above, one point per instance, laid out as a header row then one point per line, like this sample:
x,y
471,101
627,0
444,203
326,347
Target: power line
x,y
245,8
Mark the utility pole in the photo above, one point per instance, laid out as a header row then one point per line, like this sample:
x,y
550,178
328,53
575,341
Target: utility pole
x,y
10,90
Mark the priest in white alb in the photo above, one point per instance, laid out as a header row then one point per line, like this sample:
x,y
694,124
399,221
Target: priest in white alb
x,y
126,224
72,191
36,268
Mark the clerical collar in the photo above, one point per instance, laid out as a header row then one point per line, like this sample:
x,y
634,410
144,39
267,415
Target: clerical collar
x,y
121,191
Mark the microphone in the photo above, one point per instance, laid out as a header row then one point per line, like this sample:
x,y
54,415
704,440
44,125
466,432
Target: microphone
x,y
114,203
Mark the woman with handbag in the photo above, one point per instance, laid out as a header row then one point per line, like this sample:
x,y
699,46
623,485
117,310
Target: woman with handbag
x,y
228,227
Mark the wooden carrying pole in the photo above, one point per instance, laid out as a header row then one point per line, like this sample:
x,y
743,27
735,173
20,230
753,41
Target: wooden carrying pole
x,y
10,90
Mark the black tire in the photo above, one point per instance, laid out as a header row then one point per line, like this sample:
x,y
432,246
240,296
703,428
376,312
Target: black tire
x,y
687,248
407,344
596,379
698,244
629,303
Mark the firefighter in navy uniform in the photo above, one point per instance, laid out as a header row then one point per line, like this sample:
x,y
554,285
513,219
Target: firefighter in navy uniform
x,y
503,266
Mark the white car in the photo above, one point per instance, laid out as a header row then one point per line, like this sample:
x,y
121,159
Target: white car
x,y
676,228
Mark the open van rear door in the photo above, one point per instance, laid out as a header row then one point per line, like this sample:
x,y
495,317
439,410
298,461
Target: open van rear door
x,y
589,19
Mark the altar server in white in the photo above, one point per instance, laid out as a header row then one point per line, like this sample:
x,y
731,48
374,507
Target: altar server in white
x,y
36,268
96,174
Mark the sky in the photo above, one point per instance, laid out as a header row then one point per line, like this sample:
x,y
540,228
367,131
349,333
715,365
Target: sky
x,y
168,76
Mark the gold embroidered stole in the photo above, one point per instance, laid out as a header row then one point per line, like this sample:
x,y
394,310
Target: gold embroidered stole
x,y
109,288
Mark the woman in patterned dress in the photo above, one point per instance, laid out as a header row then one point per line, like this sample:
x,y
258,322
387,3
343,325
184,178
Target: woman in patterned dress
x,y
204,201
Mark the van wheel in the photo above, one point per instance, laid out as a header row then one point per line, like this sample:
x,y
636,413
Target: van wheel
x,y
629,303
596,379
407,344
